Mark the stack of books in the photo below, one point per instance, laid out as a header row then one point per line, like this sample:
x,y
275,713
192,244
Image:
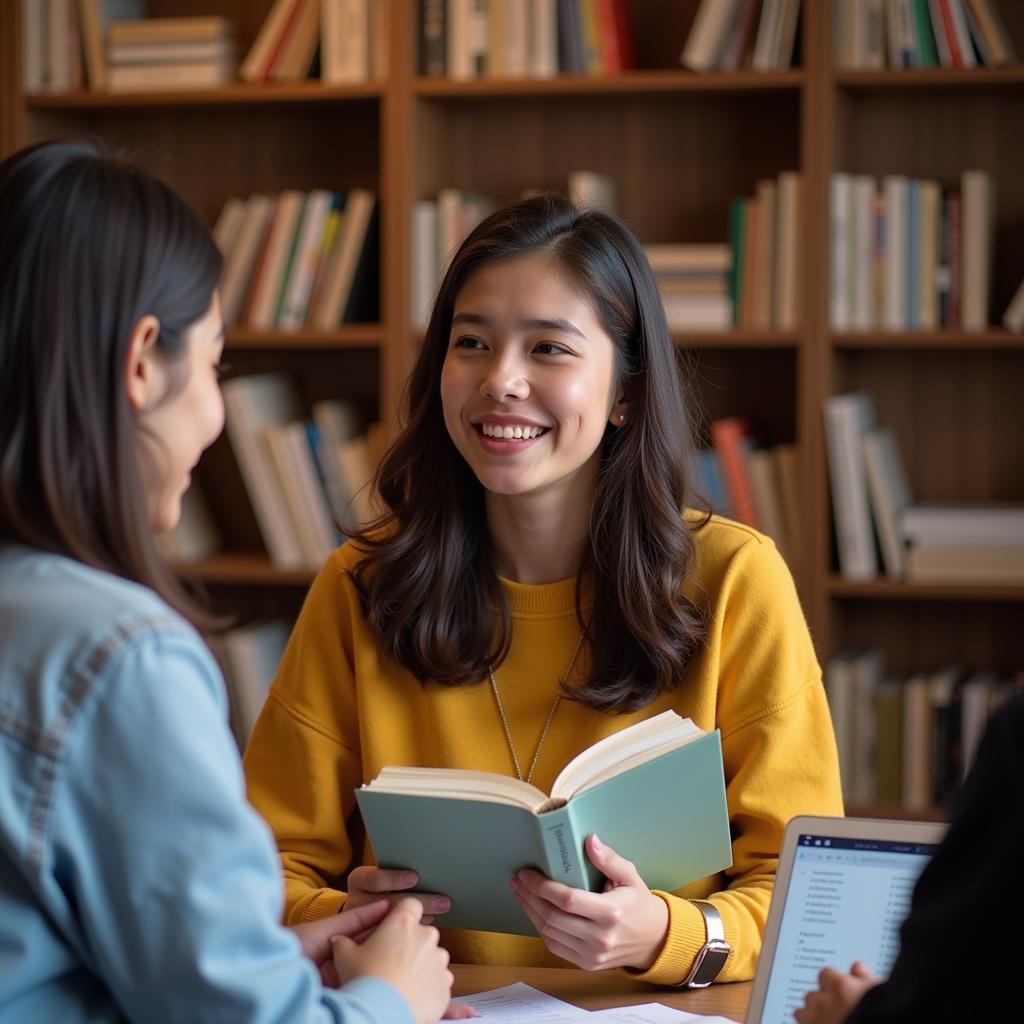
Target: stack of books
x,y
972,544
765,234
300,260
339,41
693,281
169,53
752,484
907,254
907,742
466,39
309,478
871,34
733,35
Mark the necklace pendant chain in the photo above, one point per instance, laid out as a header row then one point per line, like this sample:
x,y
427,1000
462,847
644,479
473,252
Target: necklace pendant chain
x,y
547,723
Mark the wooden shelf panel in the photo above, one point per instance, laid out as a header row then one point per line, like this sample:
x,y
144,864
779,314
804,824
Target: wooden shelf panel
x,y
635,82
230,95
351,336
931,79
738,338
243,568
895,812
994,338
899,590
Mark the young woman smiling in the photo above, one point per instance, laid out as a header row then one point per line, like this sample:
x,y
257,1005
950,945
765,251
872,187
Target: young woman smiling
x,y
539,580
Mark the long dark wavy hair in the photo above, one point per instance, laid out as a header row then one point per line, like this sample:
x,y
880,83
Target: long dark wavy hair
x,y
88,246
427,579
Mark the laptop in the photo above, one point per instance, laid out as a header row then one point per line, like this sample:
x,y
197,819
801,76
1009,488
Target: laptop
x,y
842,891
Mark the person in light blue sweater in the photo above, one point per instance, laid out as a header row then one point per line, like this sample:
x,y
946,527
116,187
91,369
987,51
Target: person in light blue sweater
x,y
135,881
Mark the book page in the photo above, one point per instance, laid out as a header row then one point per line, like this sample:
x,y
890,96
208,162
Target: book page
x,y
460,784
623,750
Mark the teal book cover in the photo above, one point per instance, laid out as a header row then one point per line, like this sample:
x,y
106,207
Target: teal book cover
x,y
668,816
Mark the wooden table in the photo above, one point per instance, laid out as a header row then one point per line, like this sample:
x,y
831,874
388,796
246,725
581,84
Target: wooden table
x,y
602,989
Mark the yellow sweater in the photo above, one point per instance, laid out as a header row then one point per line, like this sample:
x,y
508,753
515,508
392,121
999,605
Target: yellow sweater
x,y
338,712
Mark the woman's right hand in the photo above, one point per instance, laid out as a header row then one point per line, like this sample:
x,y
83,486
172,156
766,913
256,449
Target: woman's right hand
x,y
368,884
405,954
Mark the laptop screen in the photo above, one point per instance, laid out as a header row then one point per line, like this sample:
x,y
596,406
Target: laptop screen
x,y
846,900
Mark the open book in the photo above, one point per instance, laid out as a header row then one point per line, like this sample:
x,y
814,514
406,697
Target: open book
x,y
655,792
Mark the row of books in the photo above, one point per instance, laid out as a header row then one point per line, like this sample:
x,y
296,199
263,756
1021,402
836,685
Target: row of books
x,y
308,477
870,35
338,41
733,35
752,484
908,742
907,254
466,39
765,234
249,656
300,260
440,225
979,544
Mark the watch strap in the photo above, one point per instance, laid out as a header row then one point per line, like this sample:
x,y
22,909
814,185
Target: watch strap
x,y
712,956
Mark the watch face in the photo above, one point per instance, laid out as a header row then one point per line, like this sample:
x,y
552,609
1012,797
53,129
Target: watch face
x,y
712,959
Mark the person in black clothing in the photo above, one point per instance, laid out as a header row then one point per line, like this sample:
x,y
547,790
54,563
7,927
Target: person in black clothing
x,y
963,940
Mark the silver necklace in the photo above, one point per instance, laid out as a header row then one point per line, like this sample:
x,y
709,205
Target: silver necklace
x,y
547,724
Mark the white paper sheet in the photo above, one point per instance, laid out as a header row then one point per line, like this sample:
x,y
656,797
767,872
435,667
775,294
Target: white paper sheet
x,y
522,1004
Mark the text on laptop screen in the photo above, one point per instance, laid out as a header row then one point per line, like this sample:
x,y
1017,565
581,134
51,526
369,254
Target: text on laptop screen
x,y
846,901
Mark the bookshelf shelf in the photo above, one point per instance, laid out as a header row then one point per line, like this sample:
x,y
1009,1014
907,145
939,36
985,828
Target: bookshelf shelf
x,y
937,80
247,568
635,82
994,338
737,339
369,336
229,96
898,590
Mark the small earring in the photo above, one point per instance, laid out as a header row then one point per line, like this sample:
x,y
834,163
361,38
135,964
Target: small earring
x,y
622,417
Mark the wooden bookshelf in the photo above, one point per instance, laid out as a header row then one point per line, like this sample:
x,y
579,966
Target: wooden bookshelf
x,y
680,146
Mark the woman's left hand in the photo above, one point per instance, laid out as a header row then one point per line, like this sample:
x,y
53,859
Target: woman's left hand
x,y
624,926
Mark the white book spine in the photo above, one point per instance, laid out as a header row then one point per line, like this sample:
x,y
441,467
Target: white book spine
x,y
423,279
847,417
896,188
543,38
890,495
862,205
708,34
245,419
840,229
229,225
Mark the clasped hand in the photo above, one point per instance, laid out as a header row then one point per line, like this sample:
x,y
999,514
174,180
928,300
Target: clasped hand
x,y
623,926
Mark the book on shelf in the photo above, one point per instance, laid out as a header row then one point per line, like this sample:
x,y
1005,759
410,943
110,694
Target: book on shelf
x,y
963,524
872,34
978,201
249,656
348,35
907,742
733,443
1013,318
350,286
510,39
848,418
970,564
727,35
153,54
889,493
254,403
618,788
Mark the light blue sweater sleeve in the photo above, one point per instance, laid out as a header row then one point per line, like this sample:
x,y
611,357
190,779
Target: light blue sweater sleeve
x,y
174,877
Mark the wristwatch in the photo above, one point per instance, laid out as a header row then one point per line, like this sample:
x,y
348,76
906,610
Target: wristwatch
x,y
712,955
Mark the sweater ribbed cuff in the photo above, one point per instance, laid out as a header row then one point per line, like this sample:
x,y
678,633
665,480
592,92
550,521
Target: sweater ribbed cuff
x,y
323,904
683,941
